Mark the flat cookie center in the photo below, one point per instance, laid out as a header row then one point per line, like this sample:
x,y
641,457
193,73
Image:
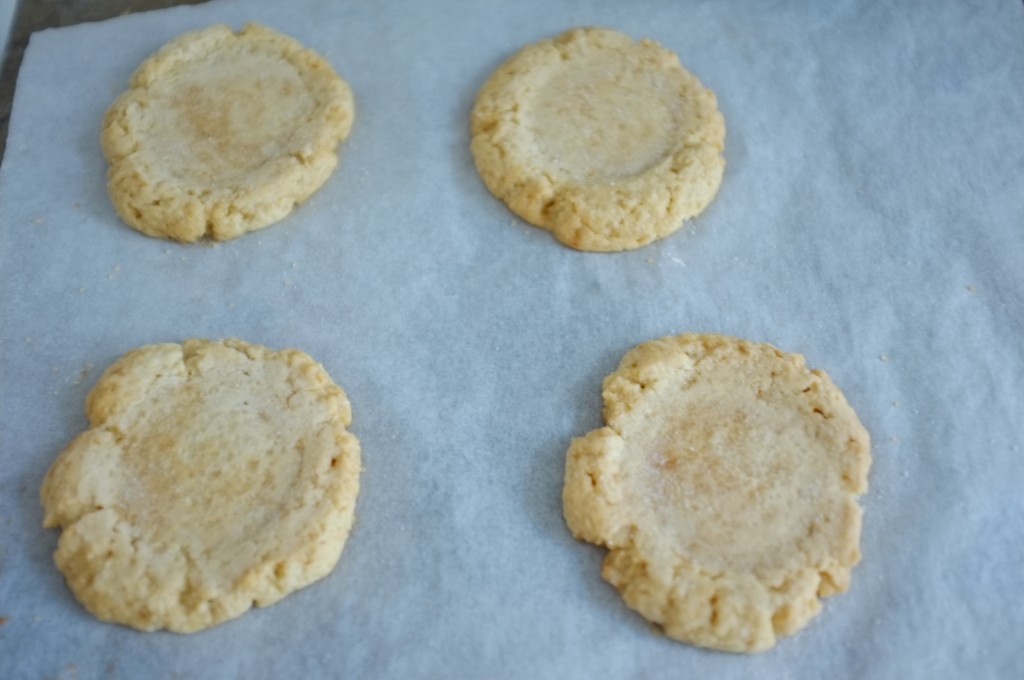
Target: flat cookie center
x,y
733,480
604,117
222,119
208,470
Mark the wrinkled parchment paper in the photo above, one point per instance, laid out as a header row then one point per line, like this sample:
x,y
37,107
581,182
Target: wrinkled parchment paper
x,y
871,218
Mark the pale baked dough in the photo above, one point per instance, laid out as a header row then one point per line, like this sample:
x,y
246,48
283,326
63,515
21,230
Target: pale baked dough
x,y
215,475
724,486
222,133
606,142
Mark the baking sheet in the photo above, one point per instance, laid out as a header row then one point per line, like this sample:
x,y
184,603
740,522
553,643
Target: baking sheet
x,y
870,217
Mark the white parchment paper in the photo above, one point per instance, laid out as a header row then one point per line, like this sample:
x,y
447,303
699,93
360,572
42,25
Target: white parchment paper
x,y
871,218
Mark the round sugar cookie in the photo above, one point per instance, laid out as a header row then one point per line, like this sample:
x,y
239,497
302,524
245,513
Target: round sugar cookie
x,y
215,475
606,142
725,487
222,133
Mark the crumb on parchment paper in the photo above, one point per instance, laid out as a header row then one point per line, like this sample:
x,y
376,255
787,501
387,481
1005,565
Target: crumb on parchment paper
x,y
83,373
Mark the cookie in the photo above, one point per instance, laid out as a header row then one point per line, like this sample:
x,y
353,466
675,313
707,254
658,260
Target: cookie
x,y
214,475
222,133
725,487
606,142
